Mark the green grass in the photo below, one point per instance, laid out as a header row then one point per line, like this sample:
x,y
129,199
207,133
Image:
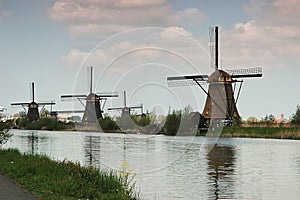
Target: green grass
x,y
48,179
262,132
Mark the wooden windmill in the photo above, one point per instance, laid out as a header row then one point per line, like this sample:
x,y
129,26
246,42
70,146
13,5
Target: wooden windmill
x,y
220,101
94,102
126,110
33,111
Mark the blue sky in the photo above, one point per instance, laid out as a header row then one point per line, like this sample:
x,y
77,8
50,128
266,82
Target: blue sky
x,y
52,43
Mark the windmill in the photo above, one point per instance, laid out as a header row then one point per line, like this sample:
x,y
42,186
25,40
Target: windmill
x,y
2,109
33,111
220,101
127,109
94,102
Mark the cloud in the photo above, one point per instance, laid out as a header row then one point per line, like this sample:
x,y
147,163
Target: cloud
x,y
274,12
272,37
4,13
171,46
138,3
107,17
192,16
94,29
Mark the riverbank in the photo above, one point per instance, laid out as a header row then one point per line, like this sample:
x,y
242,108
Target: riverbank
x,y
48,179
262,132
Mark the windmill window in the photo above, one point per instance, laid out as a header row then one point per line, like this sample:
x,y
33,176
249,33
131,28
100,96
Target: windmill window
x,y
207,112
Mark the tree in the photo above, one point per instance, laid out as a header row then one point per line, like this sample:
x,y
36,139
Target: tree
x,y
268,119
252,120
295,119
108,124
44,113
172,123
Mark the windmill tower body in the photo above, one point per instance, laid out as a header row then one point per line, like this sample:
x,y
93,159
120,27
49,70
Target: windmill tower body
x,y
33,112
220,102
33,108
92,110
126,109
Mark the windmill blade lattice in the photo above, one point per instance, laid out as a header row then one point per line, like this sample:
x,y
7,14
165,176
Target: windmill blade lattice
x,y
179,81
244,73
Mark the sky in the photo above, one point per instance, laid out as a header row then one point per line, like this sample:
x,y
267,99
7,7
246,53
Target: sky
x,y
134,45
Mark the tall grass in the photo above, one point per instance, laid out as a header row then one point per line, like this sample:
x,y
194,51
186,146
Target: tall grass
x,y
48,179
262,132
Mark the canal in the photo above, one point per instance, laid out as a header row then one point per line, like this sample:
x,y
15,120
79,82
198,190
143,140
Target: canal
x,y
180,167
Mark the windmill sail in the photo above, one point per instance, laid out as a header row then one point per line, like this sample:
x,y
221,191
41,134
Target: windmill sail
x,y
245,73
33,112
178,81
94,102
126,109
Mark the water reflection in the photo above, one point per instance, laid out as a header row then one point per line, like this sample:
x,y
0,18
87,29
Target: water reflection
x,y
221,160
33,141
177,168
92,150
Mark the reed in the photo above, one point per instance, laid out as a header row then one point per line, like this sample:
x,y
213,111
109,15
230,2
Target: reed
x,y
262,132
48,179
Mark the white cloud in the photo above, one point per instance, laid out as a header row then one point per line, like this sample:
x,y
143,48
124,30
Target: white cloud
x,y
171,46
107,17
272,37
274,12
192,16
138,3
173,33
94,29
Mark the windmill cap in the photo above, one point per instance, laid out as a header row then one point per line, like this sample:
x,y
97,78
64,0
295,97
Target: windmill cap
x,y
219,76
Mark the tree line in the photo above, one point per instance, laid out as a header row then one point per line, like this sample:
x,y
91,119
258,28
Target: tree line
x,y
177,122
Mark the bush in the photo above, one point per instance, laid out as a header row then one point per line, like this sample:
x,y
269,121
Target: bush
x,y
108,124
46,124
6,125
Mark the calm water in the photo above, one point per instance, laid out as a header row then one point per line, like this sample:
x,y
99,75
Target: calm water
x,y
181,167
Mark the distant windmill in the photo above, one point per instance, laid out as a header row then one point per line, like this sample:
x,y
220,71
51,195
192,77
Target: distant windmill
x,y
220,101
2,109
126,110
33,112
94,102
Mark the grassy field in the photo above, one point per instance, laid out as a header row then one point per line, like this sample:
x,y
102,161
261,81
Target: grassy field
x,y
47,179
262,132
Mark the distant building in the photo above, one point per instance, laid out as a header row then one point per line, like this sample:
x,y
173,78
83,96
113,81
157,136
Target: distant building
x,y
281,120
74,119
68,117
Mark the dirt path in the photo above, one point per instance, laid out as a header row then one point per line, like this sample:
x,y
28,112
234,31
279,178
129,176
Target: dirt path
x,y
10,191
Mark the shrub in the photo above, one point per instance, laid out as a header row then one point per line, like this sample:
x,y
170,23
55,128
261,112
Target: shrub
x,y
46,124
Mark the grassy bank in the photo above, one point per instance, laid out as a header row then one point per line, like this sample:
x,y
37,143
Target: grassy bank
x,y
262,132
47,179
